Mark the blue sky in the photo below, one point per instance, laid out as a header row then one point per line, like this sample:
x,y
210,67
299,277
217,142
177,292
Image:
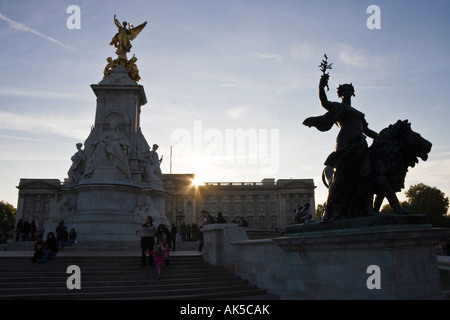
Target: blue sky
x,y
214,69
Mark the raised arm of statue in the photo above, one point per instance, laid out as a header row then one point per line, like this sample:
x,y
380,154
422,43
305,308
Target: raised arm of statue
x,y
322,94
117,23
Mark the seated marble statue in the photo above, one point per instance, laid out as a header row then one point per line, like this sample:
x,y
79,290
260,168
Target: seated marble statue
x,y
111,149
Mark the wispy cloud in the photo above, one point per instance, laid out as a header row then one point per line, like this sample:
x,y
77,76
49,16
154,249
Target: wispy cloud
x,y
56,124
358,57
237,112
42,94
266,55
305,52
23,28
2,136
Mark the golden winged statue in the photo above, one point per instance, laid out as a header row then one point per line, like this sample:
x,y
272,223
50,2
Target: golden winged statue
x,y
126,33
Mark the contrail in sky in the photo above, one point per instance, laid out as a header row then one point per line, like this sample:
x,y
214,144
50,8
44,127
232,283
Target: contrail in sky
x,y
21,27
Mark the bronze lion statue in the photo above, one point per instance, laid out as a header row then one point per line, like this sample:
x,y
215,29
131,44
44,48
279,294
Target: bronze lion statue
x,y
396,148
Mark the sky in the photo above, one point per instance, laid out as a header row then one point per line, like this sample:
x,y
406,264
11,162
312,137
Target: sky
x,y
228,83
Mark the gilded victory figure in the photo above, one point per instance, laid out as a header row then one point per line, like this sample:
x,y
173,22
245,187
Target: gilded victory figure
x,y
125,34
122,41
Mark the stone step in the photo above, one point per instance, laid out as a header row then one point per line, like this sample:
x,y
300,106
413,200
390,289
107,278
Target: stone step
x,y
193,294
188,277
96,246
151,288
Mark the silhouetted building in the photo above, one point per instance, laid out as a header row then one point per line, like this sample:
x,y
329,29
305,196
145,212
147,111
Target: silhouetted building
x,y
268,204
37,197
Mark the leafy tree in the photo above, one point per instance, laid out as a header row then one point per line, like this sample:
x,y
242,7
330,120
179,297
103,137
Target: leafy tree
x,y
387,209
423,199
319,211
7,216
430,201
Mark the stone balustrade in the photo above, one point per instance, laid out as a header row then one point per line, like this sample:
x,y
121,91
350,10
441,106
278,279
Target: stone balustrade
x,y
378,262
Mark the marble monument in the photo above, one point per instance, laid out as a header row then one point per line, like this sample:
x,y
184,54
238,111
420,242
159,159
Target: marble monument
x,y
114,182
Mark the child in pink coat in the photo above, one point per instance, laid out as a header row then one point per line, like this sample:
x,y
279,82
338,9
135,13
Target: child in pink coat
x,y
160,255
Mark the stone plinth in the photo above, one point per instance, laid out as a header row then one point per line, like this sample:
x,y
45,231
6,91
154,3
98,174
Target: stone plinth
x,y
109,210
334,264
337,265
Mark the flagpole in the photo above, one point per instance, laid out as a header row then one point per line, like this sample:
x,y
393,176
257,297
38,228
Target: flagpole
x,y
170,159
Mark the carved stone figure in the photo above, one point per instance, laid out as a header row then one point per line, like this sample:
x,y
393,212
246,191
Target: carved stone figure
x,y
76,171
142,209
64,208
152,172
155,161
111,149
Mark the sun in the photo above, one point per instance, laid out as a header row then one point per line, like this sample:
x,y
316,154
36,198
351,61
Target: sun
x,y
196,182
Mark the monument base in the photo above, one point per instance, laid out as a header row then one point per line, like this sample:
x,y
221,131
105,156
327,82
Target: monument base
x,y
396,261
109,211
361,222
379,261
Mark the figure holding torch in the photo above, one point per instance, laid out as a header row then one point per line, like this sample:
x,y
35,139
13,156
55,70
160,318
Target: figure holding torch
x,y
324,66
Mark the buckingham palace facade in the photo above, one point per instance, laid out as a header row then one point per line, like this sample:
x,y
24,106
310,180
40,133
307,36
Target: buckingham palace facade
x,y
268,204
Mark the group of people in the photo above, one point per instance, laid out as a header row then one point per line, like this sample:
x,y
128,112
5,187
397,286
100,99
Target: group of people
x,y
156,242
189,232
47,250
158,252
63,237
208,219
25,231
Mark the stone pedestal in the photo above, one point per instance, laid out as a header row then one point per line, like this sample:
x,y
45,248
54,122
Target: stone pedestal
x,y
380,258
380,262
112,212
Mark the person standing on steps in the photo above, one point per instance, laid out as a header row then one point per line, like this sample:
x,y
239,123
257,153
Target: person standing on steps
x,y
60,235
147,232
173,236
160,254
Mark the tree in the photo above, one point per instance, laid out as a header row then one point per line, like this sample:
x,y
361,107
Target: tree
x,y
319,211
387,209
430,201
7,216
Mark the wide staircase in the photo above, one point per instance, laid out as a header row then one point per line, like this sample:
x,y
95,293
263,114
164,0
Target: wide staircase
x,y
122,277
